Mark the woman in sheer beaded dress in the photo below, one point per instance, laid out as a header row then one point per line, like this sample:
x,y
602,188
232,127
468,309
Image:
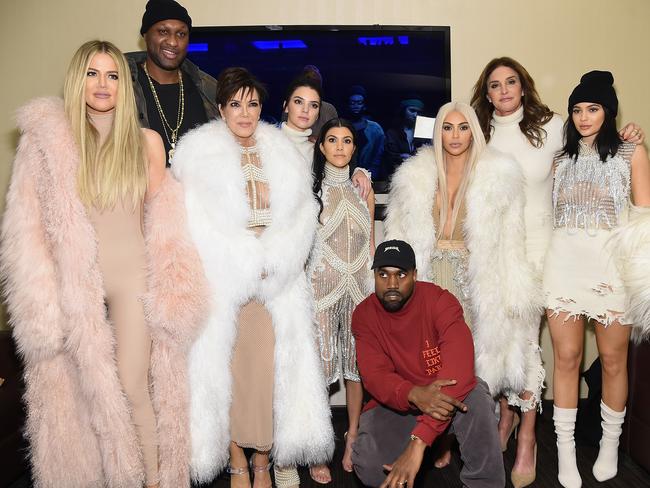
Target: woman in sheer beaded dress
x,y
596,176
340,270
255,379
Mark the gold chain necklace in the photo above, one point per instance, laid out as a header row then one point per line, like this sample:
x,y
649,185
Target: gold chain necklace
x,y
172,137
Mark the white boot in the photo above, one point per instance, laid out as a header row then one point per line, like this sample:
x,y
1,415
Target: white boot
x,y
606,465
565,424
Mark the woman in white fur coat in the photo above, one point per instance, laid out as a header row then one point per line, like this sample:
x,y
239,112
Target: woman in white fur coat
x,y
81,422
477,251
255,378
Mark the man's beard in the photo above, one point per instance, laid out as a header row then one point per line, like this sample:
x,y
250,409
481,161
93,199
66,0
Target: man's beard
x,y
393,305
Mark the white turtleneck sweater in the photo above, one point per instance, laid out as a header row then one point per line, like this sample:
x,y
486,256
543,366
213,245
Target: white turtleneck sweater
x,y
536,164
300,140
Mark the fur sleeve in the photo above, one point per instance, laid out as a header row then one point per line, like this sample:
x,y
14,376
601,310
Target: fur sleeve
x,y
287,252
176,301
410,204
28,269
631,249
497,233
521,289
289,239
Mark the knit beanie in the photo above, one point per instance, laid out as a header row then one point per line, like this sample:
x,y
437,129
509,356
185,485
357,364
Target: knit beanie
x,y
157,10
595,87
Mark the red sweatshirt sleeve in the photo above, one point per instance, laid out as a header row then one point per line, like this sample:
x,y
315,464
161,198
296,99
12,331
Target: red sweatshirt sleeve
x,y
375,366
457,361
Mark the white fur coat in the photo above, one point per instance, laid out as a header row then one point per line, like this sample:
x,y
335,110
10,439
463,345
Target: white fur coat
x,y
504,294
208,163
630,246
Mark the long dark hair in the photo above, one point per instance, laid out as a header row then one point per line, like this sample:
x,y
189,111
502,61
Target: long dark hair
x,y
536,114
606,142
318,164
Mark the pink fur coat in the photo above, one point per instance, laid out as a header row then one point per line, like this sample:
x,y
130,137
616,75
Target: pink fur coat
x,y
78,424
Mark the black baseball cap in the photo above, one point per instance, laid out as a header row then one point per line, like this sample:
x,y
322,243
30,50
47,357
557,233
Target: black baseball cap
x,y
394,254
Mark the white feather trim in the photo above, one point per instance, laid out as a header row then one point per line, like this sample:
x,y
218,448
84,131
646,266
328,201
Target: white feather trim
x,y
631,249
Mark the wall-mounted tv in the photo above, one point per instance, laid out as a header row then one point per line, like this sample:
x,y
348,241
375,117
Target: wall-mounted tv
x,y
391,63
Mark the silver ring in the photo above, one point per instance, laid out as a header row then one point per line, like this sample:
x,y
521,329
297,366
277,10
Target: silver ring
x,y
402,483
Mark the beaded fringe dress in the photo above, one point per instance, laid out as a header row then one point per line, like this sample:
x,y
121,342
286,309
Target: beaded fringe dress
x,y
590,199
252,366
340,276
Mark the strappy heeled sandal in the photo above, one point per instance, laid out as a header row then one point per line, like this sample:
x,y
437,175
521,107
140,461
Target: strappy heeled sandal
x,y
237,471
260,469
321,474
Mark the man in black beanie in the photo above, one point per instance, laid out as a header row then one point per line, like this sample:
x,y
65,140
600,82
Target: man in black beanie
x,y
172,94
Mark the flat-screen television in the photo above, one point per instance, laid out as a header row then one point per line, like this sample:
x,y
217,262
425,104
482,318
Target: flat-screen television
x,y
391,64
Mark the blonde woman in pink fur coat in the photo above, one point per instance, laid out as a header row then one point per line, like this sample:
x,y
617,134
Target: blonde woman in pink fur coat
x,y
103,287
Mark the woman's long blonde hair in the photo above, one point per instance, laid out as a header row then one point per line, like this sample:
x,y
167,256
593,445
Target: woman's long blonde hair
x,y
475,150
116,171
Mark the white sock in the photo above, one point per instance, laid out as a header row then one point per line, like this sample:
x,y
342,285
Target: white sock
x,y
606,465
565,424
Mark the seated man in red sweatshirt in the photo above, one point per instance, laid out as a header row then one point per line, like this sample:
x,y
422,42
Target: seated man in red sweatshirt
x,y
416,359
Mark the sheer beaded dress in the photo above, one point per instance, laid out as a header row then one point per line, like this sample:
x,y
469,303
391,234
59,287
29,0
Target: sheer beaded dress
x,y
341,278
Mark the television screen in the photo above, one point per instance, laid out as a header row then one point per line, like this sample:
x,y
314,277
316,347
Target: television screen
x,y
371,74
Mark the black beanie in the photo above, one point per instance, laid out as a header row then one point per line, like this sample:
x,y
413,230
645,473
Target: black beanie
x,y
595,87
157,10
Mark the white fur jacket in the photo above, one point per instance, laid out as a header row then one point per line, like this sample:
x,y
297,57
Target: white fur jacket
x,y
208,164
504,294
78,420
630,246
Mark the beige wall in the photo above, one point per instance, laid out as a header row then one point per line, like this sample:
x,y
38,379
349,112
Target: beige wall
x,y
557,40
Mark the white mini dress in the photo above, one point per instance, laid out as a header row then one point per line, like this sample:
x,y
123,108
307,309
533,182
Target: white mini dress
x,y
591,199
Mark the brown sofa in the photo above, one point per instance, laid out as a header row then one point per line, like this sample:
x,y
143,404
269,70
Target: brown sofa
x,y
636,433
12,412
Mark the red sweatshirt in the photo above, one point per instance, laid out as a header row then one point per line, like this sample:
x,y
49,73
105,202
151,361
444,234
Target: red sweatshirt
x,y
426,340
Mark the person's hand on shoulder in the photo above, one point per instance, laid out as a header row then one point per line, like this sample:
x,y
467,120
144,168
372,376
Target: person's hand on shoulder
x,y
361,180
632,133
